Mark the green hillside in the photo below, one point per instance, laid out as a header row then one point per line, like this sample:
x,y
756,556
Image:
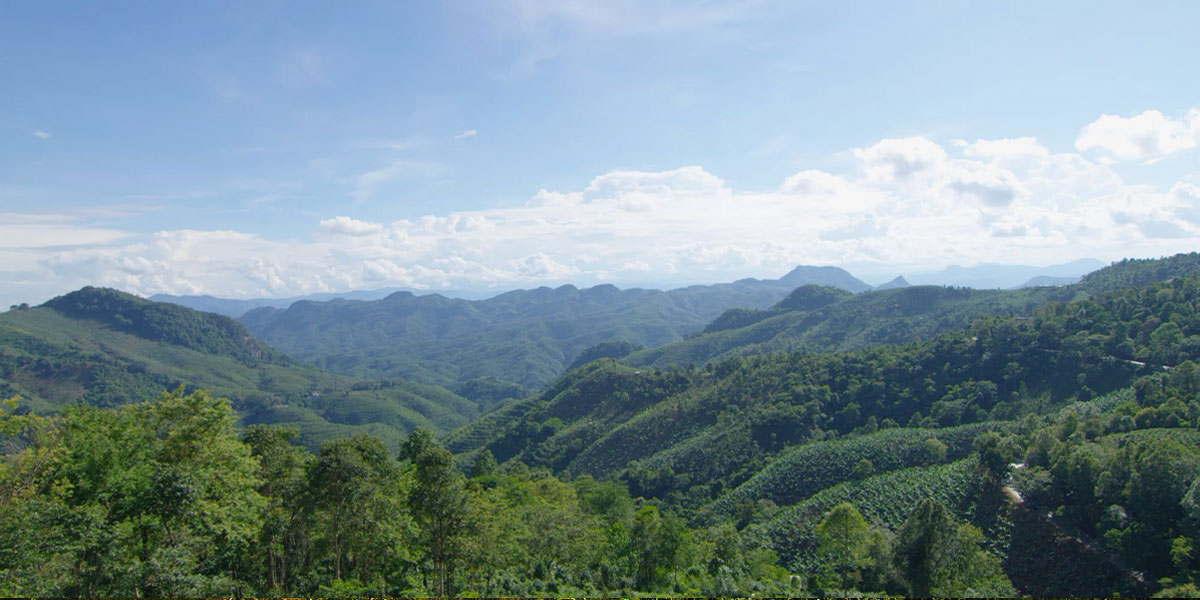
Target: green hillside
x,y
603,416
736,439
1098,399
106,348
823,320
526,337
1053,451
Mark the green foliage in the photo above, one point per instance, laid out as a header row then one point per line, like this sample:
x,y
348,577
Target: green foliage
x,y
810,468
164,499
157,499
687,435
525,336
614,349
832,322
812,297
439,503
490,391
53,360
169,323
937,557
884,470
885,499
853,554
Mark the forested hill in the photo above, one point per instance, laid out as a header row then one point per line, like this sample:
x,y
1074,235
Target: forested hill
x,y
777,440
600,417
524,336
170,323
828,320
106,348
1049,455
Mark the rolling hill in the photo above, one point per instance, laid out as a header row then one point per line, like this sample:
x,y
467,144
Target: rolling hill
x,y
525,336
773,442
717,424
106,348
822,320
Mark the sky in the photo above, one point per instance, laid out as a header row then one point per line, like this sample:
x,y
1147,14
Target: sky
x,y
273,149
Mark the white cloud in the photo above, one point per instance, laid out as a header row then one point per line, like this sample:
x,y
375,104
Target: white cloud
x,y
466,134
910,204
816,182
893,159
994,187
540,266
349,226
1143,136
42,135
1004,149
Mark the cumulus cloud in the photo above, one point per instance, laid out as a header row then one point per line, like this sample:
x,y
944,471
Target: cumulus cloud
x,y
1186,200
899,158
991,186
816,182
1148,135
540,266
349,226
41,135
909,203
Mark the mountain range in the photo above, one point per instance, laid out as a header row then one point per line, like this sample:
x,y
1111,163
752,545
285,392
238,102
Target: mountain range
x,y
982,276
795,396
525,337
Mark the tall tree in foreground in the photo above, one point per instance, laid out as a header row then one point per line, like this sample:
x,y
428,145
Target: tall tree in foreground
x,y
284,539
439,503
360,522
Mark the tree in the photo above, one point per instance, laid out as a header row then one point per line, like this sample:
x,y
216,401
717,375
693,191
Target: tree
x,y
202,493
439,503
657,539
485,464
935,556
284,539
357,508
934,450
36,544
863,469
842,546
995,455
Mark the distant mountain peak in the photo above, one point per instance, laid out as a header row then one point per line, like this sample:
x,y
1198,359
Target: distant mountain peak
x,y
898,282
830,276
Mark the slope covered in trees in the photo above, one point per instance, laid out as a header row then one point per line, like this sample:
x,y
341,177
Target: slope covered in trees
x,y
165,498
106,348
1052,453
821,320
601,417
525,336
753,440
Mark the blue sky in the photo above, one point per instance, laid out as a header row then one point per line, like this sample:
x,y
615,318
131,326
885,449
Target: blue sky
x,y
280,148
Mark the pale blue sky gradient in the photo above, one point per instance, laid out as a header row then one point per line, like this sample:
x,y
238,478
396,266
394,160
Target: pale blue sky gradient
x,y
122,121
